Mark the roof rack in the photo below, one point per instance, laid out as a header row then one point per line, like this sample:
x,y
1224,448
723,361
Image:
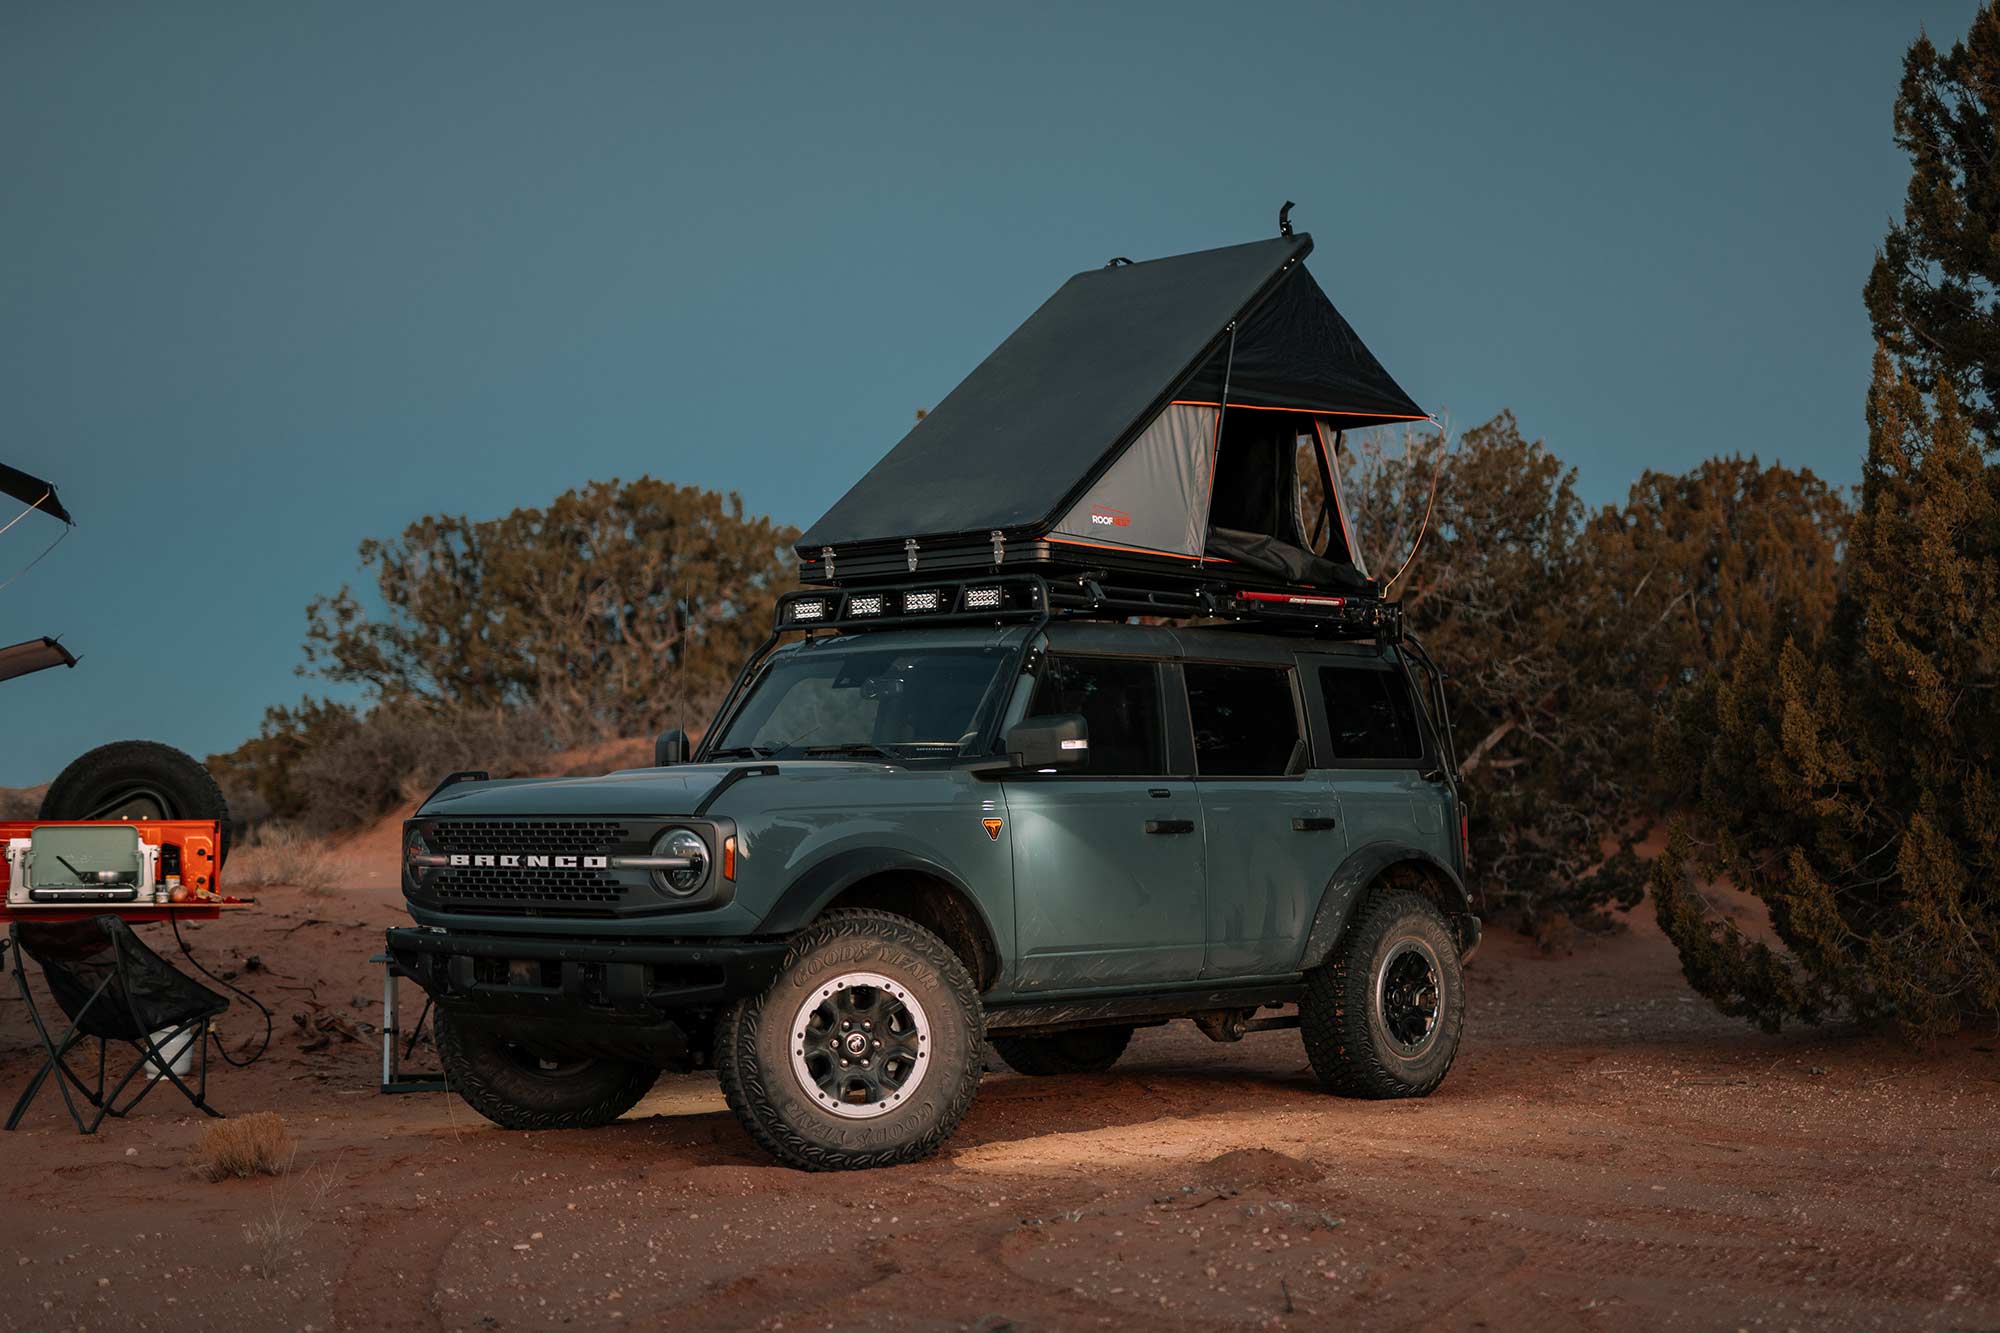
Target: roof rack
x,y
1010,598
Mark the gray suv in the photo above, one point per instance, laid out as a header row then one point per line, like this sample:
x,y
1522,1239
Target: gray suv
x,y
952,814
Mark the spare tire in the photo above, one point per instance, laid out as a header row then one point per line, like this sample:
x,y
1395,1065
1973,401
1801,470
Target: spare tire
x,y
139,780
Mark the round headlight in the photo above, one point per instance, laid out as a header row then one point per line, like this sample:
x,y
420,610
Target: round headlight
x,y
687,844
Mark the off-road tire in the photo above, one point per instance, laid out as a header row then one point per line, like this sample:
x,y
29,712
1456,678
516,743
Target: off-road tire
x,y
1348,1038
158,775
480,1067
1083,1051
754,1046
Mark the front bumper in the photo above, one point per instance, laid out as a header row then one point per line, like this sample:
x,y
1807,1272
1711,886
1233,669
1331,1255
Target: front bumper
x,y
605,995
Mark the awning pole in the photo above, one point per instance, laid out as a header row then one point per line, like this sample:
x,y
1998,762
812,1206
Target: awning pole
x,y
1215,449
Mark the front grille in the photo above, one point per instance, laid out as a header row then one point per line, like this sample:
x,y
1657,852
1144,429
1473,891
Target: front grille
x,y
535,890
569,837
553,888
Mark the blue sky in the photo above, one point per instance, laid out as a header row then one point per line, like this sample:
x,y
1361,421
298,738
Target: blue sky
x,y
277,278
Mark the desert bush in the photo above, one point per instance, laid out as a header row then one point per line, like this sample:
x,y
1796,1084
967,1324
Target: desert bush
x,y
1851,780
619,608
245,1146
397,753
277,854
22,802
1566,633
259,777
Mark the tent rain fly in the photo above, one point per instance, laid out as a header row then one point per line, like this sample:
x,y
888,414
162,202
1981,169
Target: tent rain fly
x,y
1162,417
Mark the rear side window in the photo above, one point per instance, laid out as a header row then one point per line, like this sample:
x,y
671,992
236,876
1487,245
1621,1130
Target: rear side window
x,y
1369,714
1244,723
1120,702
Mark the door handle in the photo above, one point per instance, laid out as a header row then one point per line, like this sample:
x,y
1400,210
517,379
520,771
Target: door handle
x,y
1170,826
1160,793
1313,823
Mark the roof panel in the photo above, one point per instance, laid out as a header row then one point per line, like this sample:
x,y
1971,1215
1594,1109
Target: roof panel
x,y
1022,431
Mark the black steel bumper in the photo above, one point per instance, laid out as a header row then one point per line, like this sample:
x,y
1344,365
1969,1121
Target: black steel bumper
x,y
578,981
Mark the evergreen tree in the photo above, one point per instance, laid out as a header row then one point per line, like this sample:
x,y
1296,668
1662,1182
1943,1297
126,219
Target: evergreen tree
x,y
1934,293
1852,782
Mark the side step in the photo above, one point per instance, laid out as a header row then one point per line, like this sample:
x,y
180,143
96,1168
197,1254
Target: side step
x,y
1107,1010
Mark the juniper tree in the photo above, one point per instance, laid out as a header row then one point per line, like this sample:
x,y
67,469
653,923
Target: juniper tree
x,y
1851,781
1934,293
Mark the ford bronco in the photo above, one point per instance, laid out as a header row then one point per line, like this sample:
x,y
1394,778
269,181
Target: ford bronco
x,y
957,814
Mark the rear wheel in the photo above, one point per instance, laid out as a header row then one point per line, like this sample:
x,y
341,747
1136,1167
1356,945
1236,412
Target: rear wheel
x,y
1084,1051
1381,1017
138,780
864,1051
518,1088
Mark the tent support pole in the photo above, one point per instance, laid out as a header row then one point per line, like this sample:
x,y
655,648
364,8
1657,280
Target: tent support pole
x,y
1215,449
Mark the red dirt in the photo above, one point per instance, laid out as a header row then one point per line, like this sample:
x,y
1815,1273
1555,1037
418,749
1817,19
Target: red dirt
x,y
1608,1153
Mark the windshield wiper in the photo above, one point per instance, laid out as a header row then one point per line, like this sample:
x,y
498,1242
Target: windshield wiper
x,y
859,747
741,751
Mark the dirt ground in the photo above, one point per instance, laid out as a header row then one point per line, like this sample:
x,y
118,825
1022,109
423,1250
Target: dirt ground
x,y
1608,1153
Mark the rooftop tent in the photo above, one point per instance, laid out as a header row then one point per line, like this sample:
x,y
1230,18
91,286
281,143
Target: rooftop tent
x,y
1163,416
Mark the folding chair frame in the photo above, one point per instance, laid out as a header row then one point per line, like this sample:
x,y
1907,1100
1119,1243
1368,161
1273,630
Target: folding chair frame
x,y
151,1054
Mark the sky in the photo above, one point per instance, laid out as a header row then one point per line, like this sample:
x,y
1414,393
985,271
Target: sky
x,y
275,279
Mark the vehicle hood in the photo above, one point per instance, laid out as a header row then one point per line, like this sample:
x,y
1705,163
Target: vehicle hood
x,y
642,791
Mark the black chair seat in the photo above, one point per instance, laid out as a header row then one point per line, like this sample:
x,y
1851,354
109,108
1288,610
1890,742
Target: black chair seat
x,y
112,988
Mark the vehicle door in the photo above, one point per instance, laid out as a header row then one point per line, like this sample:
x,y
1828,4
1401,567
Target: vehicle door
x,y
1273,823
1108,870
1391,786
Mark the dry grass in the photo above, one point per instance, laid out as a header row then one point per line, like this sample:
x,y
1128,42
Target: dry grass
x,y
282,856
275,1234
245,1146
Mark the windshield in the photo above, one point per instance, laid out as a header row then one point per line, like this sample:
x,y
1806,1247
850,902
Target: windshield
x,y
900,703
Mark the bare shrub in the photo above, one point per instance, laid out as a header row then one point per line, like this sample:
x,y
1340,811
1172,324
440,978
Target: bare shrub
x,y
245,1146
22,802
281,855
397,753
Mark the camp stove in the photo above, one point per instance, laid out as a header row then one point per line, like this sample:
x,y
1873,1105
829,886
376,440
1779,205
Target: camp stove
x,y
63,865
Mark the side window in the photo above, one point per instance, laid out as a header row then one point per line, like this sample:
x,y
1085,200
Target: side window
x,y
1120,702
1370,714
1245,724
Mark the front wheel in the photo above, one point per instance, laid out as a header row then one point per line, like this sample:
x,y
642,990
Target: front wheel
x,y
517,1087
1381,1017
864,1052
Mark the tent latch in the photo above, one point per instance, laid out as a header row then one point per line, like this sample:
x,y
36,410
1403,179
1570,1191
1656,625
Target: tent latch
x,y
826,559
910,552
999,548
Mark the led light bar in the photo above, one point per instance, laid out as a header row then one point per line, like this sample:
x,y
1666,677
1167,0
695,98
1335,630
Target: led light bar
x,y
811,610
982,599
870,605
921,601
1291,599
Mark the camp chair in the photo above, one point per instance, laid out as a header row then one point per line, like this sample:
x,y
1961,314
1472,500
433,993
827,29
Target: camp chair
x,y
114,989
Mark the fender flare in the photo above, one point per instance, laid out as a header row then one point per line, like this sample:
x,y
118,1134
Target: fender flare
x,y
807,896
1363,866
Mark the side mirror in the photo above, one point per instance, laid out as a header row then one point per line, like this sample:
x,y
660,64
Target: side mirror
x,y
1059,741
669,748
